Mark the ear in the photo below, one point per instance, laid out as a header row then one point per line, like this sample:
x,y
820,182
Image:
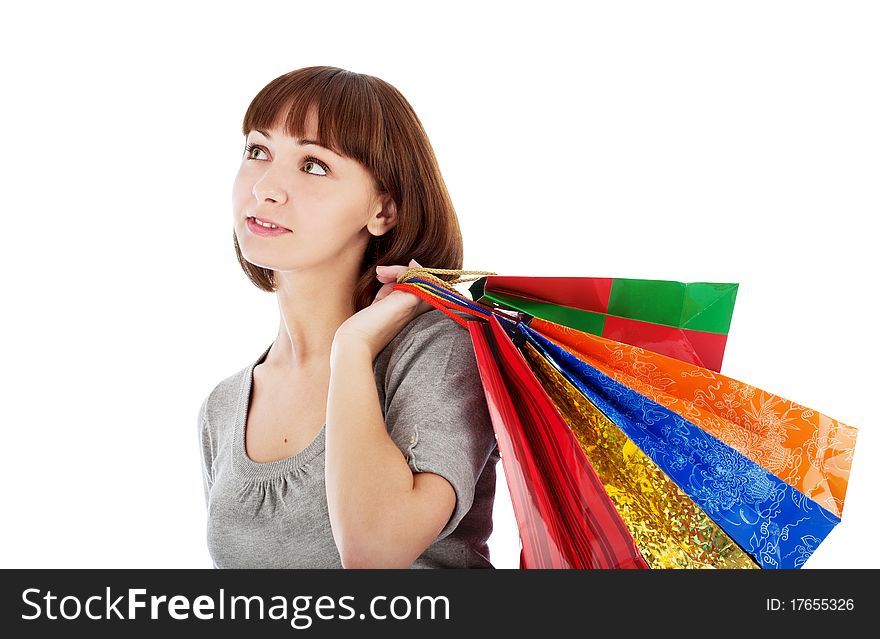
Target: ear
x,y
385,218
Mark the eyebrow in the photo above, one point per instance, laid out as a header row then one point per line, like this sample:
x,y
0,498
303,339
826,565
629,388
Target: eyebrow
x,y
302,142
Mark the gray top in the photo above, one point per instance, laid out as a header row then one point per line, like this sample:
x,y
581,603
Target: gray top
x,y
274,515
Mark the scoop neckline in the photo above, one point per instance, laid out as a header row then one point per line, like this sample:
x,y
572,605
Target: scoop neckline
x,y
253,470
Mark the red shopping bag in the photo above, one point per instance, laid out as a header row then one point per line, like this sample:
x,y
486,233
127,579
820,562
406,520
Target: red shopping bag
x,y
564,515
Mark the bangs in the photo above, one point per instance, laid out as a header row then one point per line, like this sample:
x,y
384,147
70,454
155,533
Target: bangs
x,y
348,112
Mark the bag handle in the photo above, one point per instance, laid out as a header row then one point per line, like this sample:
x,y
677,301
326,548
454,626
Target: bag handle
x,y
423,282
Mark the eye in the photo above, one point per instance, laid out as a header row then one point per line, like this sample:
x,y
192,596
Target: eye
x,y
313,160
248,148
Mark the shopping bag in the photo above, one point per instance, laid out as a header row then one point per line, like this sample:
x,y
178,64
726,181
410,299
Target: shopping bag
x,y
688,321
803,447
565,519
775,524
669,532
669,528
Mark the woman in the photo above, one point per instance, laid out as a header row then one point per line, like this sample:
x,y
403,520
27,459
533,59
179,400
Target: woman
x,y
360,437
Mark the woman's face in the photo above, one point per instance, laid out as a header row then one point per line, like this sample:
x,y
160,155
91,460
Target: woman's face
x,y
325,205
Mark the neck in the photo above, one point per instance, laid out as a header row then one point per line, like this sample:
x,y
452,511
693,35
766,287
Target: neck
x,y
312,308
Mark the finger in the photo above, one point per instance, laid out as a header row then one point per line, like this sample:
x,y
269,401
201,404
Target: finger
x,y
396,269
386,290
387,277
388,270
389,273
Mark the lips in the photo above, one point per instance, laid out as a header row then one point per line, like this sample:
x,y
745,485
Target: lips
x,y
266,220
265,231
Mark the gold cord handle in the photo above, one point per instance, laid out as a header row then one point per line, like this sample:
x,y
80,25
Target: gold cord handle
x,y
429,274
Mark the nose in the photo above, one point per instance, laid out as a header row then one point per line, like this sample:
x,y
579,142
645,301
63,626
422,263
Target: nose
x,y
269,188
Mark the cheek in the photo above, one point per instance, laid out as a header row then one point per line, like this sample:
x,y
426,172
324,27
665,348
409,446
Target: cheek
x,y
329,214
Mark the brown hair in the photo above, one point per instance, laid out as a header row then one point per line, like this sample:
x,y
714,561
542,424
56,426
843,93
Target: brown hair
x,y
365,118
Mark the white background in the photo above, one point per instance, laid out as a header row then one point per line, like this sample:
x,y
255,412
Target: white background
x,y
691,141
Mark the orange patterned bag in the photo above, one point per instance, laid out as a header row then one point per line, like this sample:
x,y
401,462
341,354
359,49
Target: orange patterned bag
x,y
806,449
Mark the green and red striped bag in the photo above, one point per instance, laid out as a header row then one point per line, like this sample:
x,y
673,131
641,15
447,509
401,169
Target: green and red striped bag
x,y
685,320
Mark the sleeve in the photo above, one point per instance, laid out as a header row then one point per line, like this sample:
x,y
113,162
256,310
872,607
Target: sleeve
x,y
436,409
207,450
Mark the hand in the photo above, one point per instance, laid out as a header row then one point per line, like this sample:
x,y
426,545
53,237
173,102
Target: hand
x,y
376,325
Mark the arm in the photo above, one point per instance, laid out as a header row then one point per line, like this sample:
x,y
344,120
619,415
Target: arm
x,y
382,514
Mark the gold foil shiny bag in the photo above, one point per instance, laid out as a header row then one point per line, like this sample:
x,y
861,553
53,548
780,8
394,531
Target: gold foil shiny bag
x,y
670,530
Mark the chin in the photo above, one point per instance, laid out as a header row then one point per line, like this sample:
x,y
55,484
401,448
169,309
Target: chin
x,y
259,258
271,259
